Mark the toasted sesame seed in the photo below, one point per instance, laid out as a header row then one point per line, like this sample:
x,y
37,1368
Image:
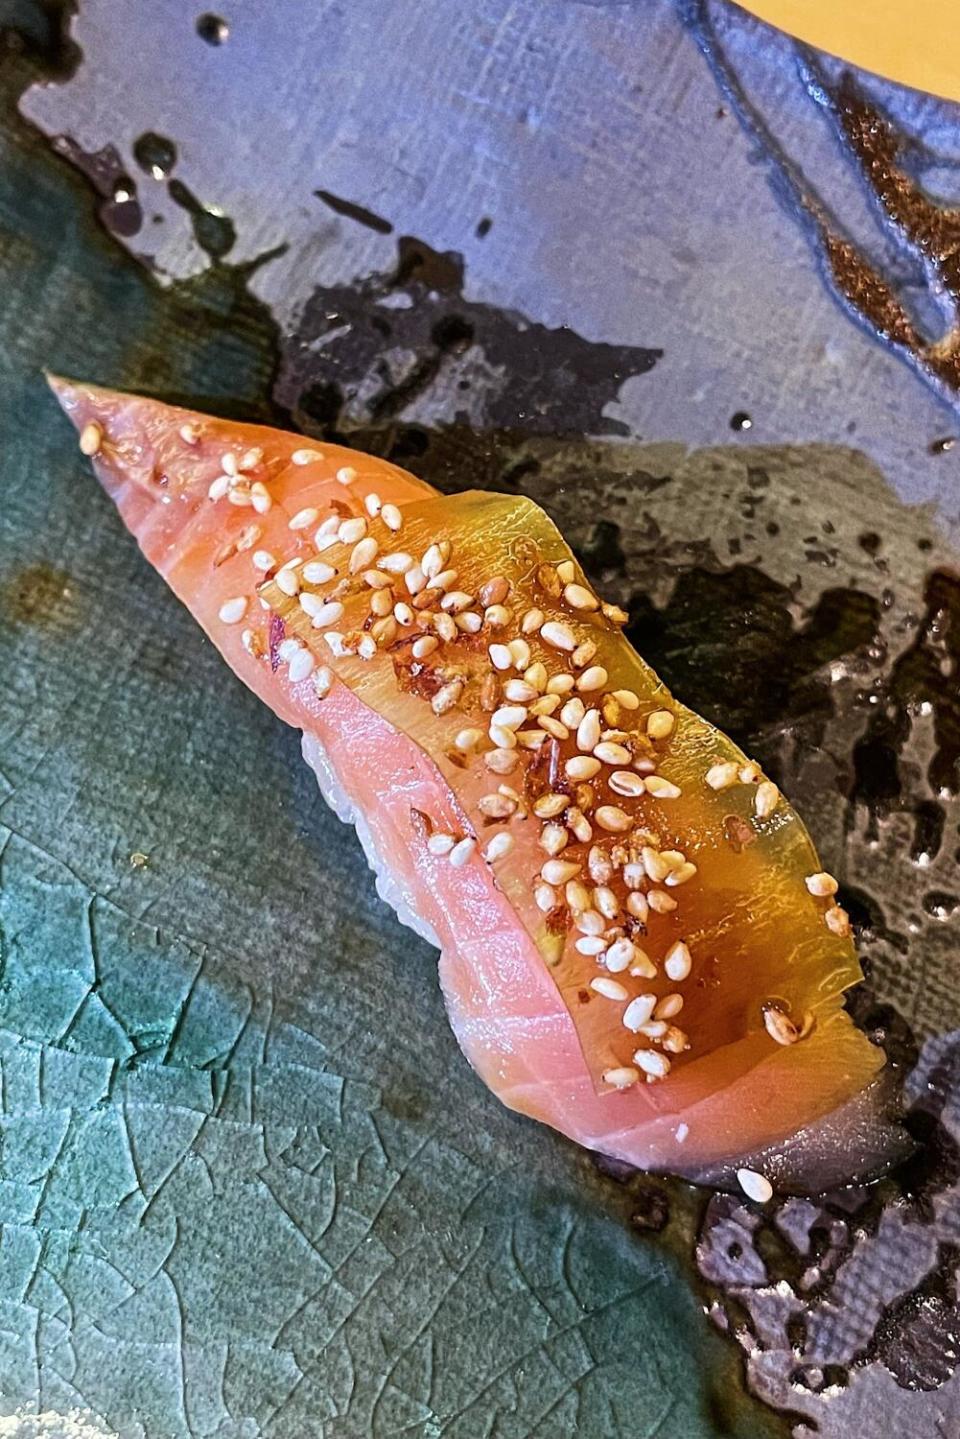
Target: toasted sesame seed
x,y
363,554
288,581
677,962
620,956
755,1186
397,563
548,806
445,627
560,684
580,598
610,710
610,818
303,519
553,727
779,1026
519,653
536,675
578,824
447,697
264,560
581,766
655,1066
232,611
444,580
588,732
496,806
577,896
560,636
549,580
609,988
306,457
583,654
501,761
467,739
545,896
302,665
660,724
669,1006
638,1012
749,773
615,614
494,591
532,621
822,884
637,906
681,874
675,1040
661,788
643,966
440,843
661,902
656,866
591,944
558,871
837,921
346,475
621,1077
502,737
239,495
318,572
462,851
553,838
609,753
247,538
624,782
500,657
424,646
403,614
384,630
381,603
415,580
722,775
260,497
499,847
655,1029
766,799
593,678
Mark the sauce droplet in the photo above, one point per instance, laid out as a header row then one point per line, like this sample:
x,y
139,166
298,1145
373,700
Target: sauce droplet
x,y
741,421
213,28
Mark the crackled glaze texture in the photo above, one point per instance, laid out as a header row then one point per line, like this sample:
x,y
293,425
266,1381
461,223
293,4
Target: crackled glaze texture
x,y
247,1186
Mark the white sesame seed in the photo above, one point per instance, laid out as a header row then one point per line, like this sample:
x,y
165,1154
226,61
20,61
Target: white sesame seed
x,y
228,463
609,988
440,843
260,497
468,739
532,620
329,526
661,788
591,922
324,542
312,604
755,1186
432,562
627,698
346,475
749,773
373,504
500,657
669,1006
499,846
677,962
496,616
239,495
415,580
580,827
612,819
583,654
822,884
637,906
588,732
352,530
384,630
620,956
303,519
250,642
232,611
328,614
581,767
264,560
609,753
681,874
606,901
654,1065
456,601
572,713
779,1026
445,627
391,517
560,636
335,643
218,487
519,692
501,761
566,571
621,1077
367,647
837,921
447,697
323,680
722,775
287,649
381,603
577,896
593,678
661,902
363,554
545,896
510,716
558,871
302,665
396,563
288,581
520,653
591,945
462,851
560,684
660,724
639,1011
624,782
553,838
643,966
553,727
502,737
424,646
580,597
189,434
766,799
306,457
536,675
317,572
655,1030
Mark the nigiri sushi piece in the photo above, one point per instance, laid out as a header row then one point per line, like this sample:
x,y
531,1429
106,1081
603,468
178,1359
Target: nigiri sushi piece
x,y
639,945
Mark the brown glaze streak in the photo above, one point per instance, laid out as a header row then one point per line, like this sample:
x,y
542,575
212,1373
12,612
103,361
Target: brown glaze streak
x,y
932,230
